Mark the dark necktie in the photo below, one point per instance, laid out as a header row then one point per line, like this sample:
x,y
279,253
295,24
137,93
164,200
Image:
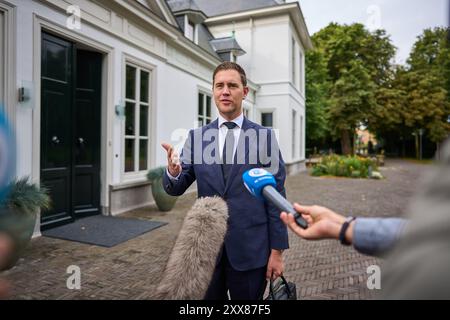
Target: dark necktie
x,y
228,148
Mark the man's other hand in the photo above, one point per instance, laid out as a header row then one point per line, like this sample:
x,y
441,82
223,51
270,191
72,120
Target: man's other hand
x,y
173,160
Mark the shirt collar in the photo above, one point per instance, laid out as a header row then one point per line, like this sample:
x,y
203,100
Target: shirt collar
x,y
239,120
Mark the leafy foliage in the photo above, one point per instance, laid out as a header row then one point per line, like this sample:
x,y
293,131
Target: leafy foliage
x,y
418,97
26,197
344,166
357,62
317,97
351,80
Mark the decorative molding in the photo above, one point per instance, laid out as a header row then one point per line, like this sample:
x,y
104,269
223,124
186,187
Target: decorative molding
x,y
145,33
139,34
118,23
255,13
186,63
94,10
95,14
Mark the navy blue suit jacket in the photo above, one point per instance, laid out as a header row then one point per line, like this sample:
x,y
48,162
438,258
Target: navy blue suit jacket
x,y
254,227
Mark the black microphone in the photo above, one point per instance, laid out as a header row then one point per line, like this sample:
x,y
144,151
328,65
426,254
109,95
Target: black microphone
x,y
262,185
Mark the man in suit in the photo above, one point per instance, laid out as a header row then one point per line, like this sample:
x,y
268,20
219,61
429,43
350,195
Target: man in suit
x,y
216,155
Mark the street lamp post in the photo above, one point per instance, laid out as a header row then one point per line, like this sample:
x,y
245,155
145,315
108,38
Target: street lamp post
x,y
421,134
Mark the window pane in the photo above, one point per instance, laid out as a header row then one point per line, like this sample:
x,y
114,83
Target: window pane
x,y
131,83
129,155
143,121
208,121
266,119
190,31
294,65
129,119
200,104
208,106
143,154
200,121
301,136
145,76
294,133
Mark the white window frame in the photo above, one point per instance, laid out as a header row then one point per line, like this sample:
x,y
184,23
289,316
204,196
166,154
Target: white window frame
x,y
8,60
246,112
302,71
294,66
301,130
136,174
273,117
190,30
233,57
203,116
248,107
294,134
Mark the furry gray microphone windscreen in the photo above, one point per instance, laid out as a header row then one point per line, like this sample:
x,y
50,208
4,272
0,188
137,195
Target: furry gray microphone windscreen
x,y
191,264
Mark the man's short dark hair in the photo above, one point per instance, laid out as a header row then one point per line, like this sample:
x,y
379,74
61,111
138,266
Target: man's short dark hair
x,y
227,65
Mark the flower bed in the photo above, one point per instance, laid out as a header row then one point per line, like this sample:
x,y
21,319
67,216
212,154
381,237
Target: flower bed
x,y
345,166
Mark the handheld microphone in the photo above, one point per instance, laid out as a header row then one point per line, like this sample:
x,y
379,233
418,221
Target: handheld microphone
x,y
261,184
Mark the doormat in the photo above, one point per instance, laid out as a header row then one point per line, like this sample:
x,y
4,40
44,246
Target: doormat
x,y
105,231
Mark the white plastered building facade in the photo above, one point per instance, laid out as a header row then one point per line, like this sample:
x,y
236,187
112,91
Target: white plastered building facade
x,y
129,62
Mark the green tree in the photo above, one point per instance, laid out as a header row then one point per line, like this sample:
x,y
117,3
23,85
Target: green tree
x,y
388,113
317,88
358,63
418,96
431,51
427,104
352,98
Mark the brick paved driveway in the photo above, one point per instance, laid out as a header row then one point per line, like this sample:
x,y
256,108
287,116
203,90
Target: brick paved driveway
x,y
131,270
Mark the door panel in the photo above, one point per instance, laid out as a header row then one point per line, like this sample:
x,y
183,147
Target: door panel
x,y
56,138
70,130
87,123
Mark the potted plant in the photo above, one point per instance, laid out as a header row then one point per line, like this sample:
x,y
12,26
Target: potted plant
x,y
18,213
164,202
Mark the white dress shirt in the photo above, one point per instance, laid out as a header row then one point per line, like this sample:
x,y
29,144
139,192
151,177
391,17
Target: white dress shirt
x,y
222,135
223,132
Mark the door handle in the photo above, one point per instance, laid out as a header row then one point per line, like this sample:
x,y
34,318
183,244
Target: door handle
x,y
55,140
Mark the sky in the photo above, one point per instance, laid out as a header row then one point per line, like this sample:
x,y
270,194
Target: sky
x,y
403,20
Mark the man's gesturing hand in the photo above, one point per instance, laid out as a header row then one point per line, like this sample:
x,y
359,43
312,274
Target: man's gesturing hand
x,y
173,160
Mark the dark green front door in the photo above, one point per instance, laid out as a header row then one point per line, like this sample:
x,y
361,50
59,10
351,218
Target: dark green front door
x,y
70,130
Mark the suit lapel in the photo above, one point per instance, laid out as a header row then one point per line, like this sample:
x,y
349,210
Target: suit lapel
x,y
215,166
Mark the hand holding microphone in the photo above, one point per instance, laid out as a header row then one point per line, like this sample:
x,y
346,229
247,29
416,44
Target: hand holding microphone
x,y
323,223
262,185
